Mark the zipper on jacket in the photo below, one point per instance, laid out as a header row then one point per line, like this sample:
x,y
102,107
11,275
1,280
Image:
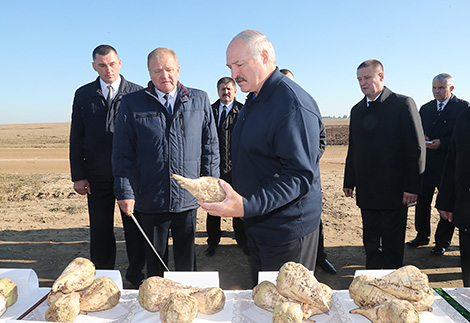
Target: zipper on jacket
x,y
181,123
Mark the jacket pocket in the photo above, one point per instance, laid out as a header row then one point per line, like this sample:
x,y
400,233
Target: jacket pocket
x,y
139,115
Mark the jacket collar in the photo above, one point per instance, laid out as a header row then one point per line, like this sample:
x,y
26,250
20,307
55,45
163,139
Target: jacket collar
x,y
235,105
451,99
98,86
268,87
183,94
382,97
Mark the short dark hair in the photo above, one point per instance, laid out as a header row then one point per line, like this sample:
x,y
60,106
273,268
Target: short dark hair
x,y
103,50
225,80
285,71
371,62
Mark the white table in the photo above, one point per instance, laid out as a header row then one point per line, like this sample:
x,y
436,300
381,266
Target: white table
x,y
239,308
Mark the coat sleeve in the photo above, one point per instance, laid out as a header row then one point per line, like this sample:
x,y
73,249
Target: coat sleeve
x,y
77,142
349,171
446,196
460,106
322,139
415,148
210,158
123,155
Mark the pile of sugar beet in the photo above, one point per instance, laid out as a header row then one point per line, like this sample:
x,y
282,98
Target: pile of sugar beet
x,y
8,294
77,292
296,296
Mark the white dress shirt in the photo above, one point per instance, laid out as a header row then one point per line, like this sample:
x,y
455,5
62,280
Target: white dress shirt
x,y
115,85
171,100
221,109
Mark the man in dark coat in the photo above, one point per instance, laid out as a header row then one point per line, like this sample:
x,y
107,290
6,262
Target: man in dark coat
x,y
453,200
275,160
226,110
438,118
95,107
385,160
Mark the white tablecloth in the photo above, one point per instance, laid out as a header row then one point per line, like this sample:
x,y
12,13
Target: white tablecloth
x,y
239,305
240,308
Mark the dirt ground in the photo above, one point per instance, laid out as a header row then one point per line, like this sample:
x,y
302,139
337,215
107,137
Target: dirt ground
x,y
45,224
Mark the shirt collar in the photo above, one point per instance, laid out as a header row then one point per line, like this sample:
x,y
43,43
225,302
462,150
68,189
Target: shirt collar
x,y
444,103
172,95
115,85
368,100
229,106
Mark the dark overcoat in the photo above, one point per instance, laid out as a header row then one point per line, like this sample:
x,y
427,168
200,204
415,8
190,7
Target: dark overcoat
x,y
386,153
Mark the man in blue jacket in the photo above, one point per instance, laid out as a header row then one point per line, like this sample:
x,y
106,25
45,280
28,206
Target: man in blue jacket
x,y
275,160
162,130
91,137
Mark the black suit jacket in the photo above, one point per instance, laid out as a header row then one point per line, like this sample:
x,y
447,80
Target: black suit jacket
x,y
386,152
439,127
454,193
225,138
90,142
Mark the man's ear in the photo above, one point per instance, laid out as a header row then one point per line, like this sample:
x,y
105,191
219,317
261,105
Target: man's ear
x,y
265,56
382,76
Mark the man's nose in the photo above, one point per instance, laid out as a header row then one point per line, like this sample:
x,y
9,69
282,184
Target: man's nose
x,y
234,71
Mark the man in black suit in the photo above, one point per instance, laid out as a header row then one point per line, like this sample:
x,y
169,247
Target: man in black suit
x,y
226,110
385,161
94,110
438,118
453,200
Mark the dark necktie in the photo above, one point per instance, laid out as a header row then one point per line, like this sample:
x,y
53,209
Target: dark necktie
x,y
439,110
112,112
109,99
167,103
223,116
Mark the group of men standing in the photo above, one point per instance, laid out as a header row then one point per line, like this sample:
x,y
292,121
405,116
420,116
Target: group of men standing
x,y
126,141
167,128
396,158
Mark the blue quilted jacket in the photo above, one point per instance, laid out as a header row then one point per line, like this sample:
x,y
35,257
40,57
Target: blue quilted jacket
x,y
150,145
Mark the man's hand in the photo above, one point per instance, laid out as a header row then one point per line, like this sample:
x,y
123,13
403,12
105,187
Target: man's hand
x,y
348,192
409,198
232,206
82,187
434,144
127,206
445,215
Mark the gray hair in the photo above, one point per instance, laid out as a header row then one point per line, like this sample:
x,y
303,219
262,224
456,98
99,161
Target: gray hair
x,y
444,77
159,52
257,42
